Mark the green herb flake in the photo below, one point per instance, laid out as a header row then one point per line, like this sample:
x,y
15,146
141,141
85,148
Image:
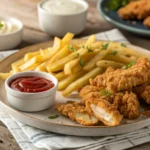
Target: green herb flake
x,y
105,46
82,46
105,93
81,62
129,65
1,24
123,45
89,49
53,117
113,53
71,48
78,54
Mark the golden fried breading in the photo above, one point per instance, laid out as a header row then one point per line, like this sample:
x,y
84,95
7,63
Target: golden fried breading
x,y
77,112
135,10
124,79
147,21
104,111
88,89
127,104
143,92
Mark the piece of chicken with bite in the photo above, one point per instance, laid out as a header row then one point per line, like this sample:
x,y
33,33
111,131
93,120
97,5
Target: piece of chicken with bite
x,y
104,111
76,111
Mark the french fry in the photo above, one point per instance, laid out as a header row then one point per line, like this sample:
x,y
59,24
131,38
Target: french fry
x,y
62,53
90,40
107,63
60,63
76,68
41,68
67,38
16,69
32,61
28,56
92,63
121,59
60,76
68,66
84,80
17,63
68,80
4,76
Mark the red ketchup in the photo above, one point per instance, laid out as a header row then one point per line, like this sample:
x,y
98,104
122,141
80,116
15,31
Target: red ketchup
x,y
31,84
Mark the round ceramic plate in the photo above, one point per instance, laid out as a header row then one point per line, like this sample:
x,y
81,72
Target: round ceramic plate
x,y
135,26
63,125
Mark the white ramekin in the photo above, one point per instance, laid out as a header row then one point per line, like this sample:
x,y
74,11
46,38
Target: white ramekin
x,y
31,102
60,24
11,40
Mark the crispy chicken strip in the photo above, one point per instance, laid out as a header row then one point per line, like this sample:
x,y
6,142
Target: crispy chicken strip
x,y
88,89
77,112
135,10
147,21
124,79
104,111
143,92
127,104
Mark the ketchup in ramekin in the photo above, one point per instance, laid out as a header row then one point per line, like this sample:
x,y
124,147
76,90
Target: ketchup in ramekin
x,y
31,84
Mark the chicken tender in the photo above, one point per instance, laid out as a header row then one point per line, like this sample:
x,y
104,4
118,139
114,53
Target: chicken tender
x,y
127,104
143,92
88,89
104,111
135,10
77,112
147,21
124,79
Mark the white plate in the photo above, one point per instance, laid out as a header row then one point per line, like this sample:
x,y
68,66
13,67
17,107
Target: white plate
x,y
62,124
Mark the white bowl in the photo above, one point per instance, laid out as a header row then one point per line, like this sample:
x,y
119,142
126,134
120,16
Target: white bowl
x,y
31,102
12,39
60,24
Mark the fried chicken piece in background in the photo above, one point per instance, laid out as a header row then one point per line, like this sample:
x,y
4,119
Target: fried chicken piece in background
x,y
76,111
143,92
124,79
104,111
147,21
135,10
127,103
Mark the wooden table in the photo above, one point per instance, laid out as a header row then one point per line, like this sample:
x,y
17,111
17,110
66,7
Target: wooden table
x,y
26,11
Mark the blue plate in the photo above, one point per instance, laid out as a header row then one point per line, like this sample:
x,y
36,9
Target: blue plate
x,y
135,26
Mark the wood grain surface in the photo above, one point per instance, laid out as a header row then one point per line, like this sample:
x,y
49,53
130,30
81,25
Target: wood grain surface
x,y
26,11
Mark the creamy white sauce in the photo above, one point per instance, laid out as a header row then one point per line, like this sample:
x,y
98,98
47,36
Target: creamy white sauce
x,y
63,6
6,26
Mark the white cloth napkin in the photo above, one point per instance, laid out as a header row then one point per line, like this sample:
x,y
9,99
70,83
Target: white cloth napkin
x,y
30,138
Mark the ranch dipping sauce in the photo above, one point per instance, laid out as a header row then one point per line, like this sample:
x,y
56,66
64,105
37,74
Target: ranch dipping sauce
x,y
7,26
63,7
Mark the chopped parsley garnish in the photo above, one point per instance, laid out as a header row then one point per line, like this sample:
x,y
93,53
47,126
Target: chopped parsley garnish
x,y
1,24
83,46
78,54
71,48
53,117
105,46
81,62
113,53
105,93
89,49
129,65
123,45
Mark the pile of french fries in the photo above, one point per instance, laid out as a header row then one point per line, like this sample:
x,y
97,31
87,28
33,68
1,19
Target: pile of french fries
x,y
74,64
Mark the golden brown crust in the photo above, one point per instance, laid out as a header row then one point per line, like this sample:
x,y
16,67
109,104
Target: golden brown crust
x,y
135,10
93,105
147,21
124,79
77,112
143,92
